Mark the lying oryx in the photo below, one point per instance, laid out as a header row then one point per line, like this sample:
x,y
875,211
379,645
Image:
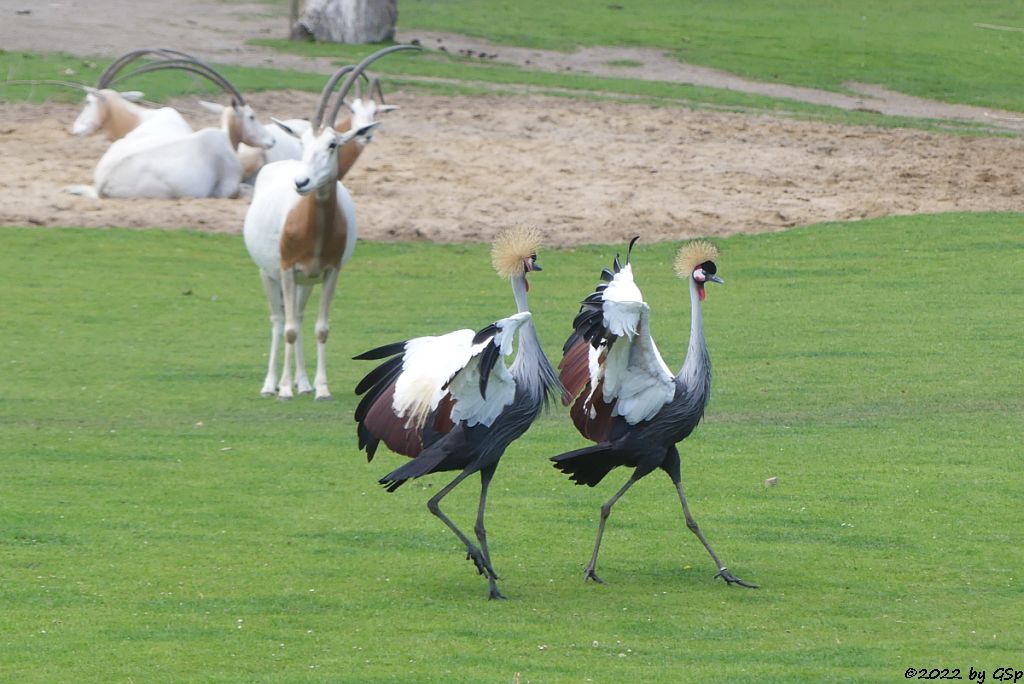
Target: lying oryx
x,y
153,162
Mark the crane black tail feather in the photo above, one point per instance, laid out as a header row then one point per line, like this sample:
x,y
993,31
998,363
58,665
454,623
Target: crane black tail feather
x,y
427,461
589,465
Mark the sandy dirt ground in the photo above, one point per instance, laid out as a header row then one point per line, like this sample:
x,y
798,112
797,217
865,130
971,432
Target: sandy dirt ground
x,y
459,169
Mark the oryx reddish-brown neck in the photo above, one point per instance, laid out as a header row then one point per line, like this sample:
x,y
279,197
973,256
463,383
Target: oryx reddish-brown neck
x,y
119,117
315,233
350,151
230,124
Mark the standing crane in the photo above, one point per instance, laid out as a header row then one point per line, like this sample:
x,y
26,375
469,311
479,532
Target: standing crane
x,y
451,404
626,398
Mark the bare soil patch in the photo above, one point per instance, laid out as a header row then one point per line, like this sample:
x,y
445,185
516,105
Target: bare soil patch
x,y
456,169
459,169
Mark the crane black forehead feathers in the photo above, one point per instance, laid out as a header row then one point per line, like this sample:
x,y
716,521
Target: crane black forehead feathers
x,y
709,267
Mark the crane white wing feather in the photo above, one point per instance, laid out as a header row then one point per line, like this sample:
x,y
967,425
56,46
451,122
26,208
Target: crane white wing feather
x,y
636,380
472,404
621,304
428,363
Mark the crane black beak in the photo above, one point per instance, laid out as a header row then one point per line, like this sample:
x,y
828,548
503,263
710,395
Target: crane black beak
x,y
716,279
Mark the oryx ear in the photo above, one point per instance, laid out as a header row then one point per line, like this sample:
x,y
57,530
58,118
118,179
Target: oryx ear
x,y
387,108
132,95
356,132
211,106
89,90
286,128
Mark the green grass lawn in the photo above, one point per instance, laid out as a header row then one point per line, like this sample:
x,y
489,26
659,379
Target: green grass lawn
x,y
922,47
159,521
431,72
952,51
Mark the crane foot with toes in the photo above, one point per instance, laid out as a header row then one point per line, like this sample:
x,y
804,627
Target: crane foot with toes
x,y
591,574
482,565
473,554
731,579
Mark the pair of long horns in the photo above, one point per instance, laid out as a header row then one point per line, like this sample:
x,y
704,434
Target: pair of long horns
x,y
352,75
169,59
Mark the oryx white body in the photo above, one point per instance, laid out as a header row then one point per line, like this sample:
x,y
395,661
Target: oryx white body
x,y
301,225
299,240
199,164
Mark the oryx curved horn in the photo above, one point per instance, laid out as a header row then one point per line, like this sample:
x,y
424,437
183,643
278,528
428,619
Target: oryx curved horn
x,y
49,81
375,87
194,66
358,71
127,58
325,95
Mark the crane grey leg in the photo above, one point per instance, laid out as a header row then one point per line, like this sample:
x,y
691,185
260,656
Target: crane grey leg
x,y
472,552
481,532
591,570
723,572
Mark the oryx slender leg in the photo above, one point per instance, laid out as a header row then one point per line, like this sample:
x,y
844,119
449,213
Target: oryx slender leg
x,y
301,376
291,331
273,290
322,330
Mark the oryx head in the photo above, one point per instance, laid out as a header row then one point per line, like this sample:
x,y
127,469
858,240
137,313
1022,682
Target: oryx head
x,y
319,164
239,121
98,105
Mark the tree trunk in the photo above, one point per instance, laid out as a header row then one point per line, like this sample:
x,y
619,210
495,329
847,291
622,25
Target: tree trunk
x,y
349,21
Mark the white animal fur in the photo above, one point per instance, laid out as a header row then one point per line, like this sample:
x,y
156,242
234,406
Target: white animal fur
x,y
280,187
199,164
117,116
287,146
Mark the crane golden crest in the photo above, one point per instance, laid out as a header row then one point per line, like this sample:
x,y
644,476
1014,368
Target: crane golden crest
x,y
693,254
512,248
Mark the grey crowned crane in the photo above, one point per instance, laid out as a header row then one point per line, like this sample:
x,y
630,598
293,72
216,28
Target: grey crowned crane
x,y
450,403
626,398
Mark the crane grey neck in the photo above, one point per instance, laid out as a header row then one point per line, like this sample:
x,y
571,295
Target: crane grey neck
x,y
531,368
519,292
696,371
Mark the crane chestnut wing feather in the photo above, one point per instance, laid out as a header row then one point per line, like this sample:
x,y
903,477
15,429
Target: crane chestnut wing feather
x,y
610,364
430,384
402,392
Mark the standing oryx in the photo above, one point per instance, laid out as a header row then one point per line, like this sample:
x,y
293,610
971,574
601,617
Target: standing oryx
x,y
301,229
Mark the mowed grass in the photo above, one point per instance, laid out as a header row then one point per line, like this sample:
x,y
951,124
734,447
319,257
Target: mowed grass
x,y
946,50
428,72
159,521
